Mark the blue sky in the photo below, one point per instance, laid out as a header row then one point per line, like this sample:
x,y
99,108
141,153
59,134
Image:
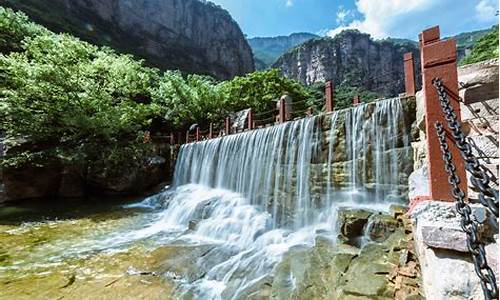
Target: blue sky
x,y
380,18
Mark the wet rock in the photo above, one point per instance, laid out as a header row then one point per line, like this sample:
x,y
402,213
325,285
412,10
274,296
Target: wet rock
x,y
380,227
353,223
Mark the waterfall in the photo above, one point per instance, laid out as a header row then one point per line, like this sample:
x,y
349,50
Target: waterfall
x,y
258,193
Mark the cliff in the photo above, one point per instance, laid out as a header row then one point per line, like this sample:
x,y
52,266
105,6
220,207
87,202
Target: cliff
x,y
268,49
351,58
190,35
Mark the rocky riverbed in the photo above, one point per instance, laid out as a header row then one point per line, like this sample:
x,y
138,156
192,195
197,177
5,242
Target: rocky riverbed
x,y
99,254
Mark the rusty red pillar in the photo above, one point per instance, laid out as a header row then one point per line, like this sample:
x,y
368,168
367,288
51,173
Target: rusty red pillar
x,y
409,66
172,139
329,96
250,119
355,100
228,126
187,137
197,134
439,61
211,131
282,112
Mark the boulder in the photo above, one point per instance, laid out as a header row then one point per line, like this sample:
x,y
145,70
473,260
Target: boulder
x,y
31,182
352,222
479,81
380,227
134,178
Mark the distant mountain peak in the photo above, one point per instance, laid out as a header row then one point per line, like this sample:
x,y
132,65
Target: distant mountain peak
x,y
266,50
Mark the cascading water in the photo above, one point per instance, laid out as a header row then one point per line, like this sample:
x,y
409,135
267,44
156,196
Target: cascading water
x,y
256,194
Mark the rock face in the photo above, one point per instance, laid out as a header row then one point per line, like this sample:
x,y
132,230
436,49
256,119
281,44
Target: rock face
x,y
267,49
190,35
352,58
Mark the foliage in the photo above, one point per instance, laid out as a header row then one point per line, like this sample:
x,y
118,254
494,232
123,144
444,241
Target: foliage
x,y
71,101
14,28
64,100
344,94
485,48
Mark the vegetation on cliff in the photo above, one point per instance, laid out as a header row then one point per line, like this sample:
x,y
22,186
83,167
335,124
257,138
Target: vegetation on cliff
x,y
485,48
66,100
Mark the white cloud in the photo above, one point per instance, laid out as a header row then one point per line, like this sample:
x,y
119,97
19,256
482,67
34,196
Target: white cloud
x,y
380,16
486,10
342,15
289,3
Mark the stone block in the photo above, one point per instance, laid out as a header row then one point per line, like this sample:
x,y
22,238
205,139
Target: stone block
x,y
448,272
481,126
479,82
484,146
482,109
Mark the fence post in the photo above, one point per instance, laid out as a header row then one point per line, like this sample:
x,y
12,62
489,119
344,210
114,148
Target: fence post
x,y
198,134
211,131
409,66
228,126
355,100
310,111
439,60
329,96
172,139
250,119
282,112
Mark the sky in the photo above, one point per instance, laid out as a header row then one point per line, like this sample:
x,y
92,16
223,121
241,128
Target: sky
x,y
380,18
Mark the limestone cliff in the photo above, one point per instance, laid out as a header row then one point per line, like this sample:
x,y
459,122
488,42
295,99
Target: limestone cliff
x,y
352,58
193,36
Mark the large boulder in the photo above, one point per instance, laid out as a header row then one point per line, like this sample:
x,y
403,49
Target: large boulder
x,y
31,182
132,179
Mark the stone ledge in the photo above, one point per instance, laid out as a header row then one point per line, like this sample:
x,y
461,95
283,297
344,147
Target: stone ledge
x,y
481,109
447,270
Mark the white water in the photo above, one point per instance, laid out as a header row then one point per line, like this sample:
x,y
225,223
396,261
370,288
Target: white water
x,y
254,196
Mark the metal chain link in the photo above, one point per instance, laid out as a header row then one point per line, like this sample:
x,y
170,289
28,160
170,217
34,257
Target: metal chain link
x,y
474,244
480,179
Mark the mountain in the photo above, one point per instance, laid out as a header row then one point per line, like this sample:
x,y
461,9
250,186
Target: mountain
x,y
351,58
266,50
467,40
193,36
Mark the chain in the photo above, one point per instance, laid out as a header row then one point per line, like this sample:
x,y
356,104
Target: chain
x,y
480,179
474,244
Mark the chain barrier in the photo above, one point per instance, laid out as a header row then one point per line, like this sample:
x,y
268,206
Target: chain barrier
x,y
479,179
474,244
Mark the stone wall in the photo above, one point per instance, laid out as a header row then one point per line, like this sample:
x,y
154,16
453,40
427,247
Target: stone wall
x,y
447,269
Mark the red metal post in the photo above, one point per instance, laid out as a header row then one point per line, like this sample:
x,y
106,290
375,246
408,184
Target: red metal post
x,y
172,139
282,112
187,137
355,100
228,126
409,66
439,60
211,131
329,96
250,119
197,134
